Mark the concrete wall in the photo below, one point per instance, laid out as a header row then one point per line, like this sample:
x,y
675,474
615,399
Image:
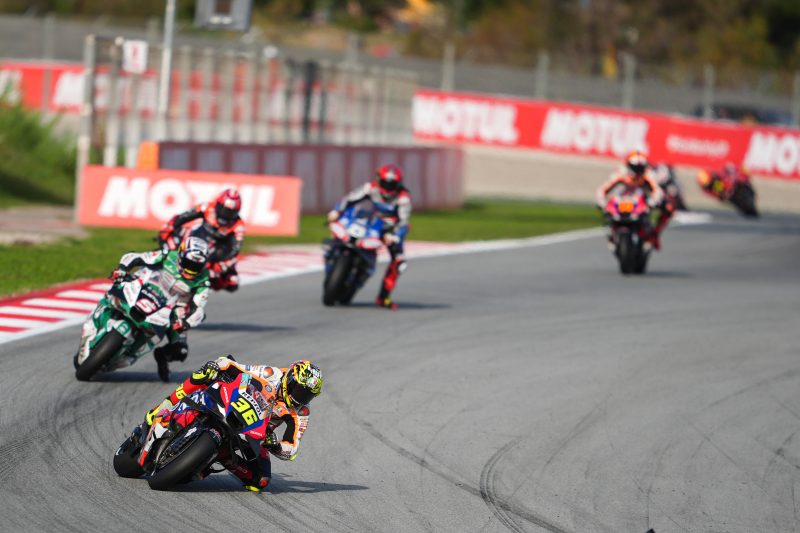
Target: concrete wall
x,y
517,173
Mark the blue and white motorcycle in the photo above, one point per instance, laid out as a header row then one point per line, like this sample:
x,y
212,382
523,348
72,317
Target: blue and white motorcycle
x,y
351,255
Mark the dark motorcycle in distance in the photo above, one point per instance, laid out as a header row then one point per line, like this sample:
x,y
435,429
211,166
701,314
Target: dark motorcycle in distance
x,y
731,186
668,182
230,419
351,255
627,216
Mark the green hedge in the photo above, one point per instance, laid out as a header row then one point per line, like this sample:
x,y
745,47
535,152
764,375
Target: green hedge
x,y
37,165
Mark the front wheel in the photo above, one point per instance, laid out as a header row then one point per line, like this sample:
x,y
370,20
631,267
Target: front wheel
x,y
186,462
626,253
99,356
334,283
125,459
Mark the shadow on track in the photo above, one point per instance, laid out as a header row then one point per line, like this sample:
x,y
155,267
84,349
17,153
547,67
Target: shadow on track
x,y
237,326
400,306
279,485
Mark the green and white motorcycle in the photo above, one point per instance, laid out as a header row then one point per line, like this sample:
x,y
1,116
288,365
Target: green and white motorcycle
x,y
128,322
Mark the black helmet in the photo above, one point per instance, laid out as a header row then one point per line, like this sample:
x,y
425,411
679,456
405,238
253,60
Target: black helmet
x,y
301,383
192,257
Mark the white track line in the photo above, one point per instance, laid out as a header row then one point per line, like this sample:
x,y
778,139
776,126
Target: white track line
x,y
313,264
33,311
53,303
21,322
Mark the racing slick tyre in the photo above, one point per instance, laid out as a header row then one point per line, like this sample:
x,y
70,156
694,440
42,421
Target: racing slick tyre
x,y
99,355
334,284
193,456
125,464
626,253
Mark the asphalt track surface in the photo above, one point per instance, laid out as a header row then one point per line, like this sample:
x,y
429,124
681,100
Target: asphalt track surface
x,y
534,389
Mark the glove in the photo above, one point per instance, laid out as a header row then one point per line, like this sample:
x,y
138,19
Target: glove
x,y
333,216
118,274
180,325
210,370
271,443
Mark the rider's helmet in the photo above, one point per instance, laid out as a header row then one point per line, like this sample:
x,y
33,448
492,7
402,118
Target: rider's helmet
x,y
226,207
704,179
192,257
390,181
301,383
637,163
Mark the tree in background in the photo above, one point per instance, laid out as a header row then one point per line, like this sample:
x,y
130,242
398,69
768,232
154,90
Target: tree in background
x,y
583,35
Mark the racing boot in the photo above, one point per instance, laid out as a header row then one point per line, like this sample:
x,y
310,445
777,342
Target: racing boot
x,y
385,300
151,414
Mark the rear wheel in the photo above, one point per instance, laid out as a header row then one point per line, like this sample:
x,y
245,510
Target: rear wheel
x,y
100,355
334,284
193,456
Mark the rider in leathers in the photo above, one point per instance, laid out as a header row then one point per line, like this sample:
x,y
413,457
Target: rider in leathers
x,y
295,386
393,203
188,279
226,229
636,175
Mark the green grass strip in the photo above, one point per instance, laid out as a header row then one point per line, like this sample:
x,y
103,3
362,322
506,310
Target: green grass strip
x,y
29,267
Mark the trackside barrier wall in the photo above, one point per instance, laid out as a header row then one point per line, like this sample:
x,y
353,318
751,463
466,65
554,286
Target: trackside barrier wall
x,y
601,131
434,176
134,198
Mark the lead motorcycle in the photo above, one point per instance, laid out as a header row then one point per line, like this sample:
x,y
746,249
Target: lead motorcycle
x,y
230,419
351,255
128,322
628,218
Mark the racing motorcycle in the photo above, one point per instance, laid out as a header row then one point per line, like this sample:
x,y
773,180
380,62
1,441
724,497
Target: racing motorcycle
x,y
128,322
734,187
351,255
228,419
628,219
220,264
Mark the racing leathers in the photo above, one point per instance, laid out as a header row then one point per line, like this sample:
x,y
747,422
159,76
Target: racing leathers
x,y
226,241
192,297
256,474
395,210
624,181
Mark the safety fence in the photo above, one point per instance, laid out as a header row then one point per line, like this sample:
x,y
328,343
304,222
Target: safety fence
x,y
599,131
433,175
215,95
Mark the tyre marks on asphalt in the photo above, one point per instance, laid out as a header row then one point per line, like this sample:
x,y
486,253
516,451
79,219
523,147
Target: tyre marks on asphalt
x,y
488,490
504,506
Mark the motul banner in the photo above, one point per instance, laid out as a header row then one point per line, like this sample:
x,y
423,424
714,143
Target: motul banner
x,y
606,132
129,198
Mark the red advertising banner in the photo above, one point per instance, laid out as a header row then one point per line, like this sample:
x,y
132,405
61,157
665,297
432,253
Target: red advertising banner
x,y
130,198
598,131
